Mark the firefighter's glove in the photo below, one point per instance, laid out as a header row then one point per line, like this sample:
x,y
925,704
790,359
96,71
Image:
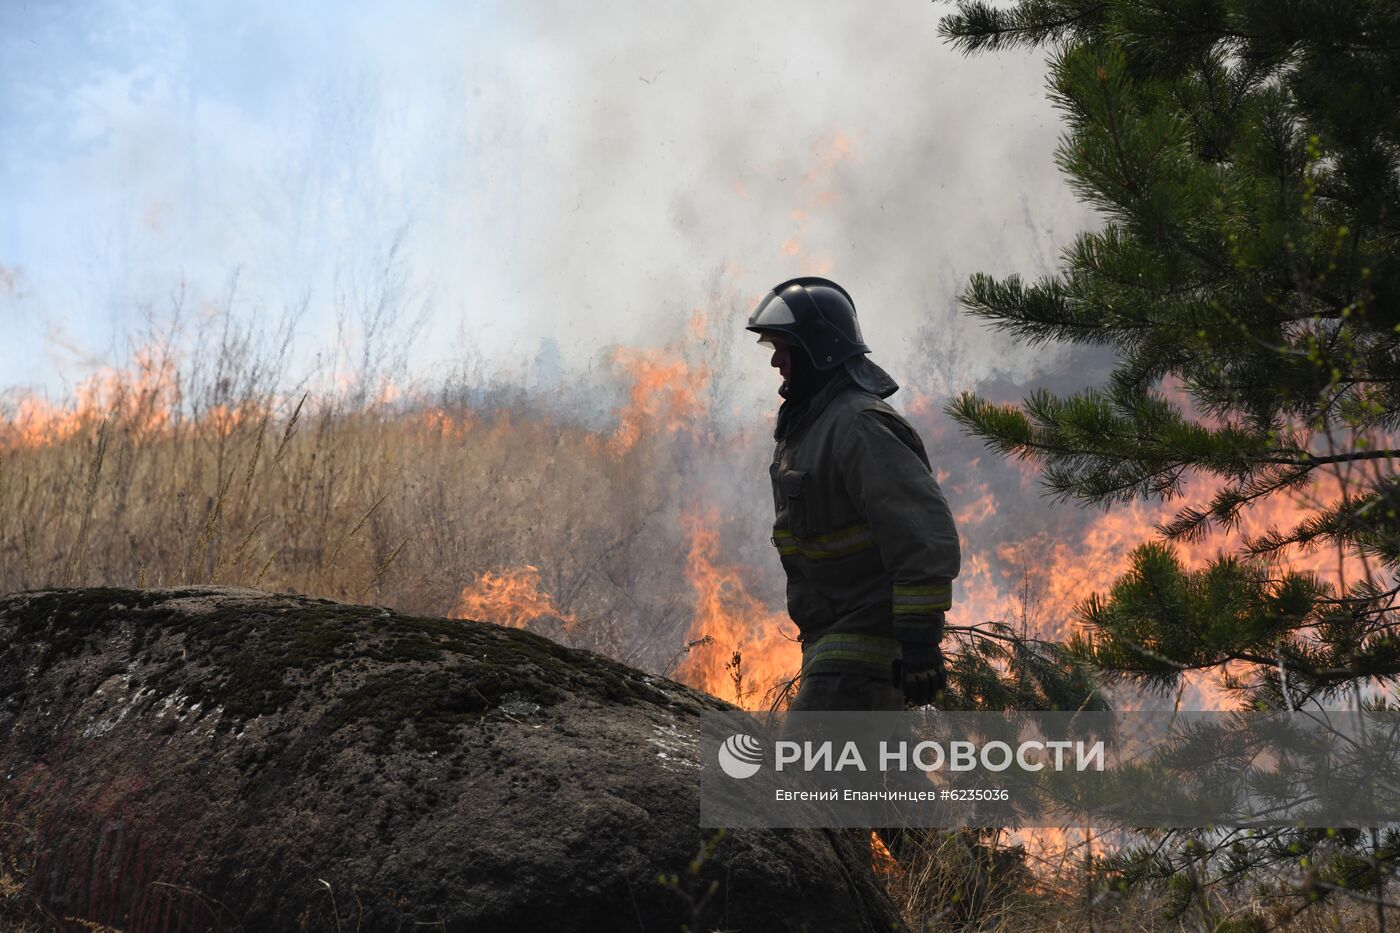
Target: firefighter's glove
x,y
925,674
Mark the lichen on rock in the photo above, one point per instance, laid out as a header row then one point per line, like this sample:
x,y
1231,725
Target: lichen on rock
x,y
224,758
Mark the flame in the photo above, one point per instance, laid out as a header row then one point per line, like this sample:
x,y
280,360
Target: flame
x,y
1034,572
512,598
1064,570
221,420
667,393
1033,580
978,510
141,399
882,861
438,421
1037,580
736,624
386,393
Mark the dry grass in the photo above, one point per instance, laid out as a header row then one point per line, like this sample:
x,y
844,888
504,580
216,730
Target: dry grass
x,y
969,881
166,474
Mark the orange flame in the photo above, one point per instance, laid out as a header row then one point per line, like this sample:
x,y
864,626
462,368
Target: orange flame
x,y
445,424
142,399
512,598
1063,571
738,622
1040,579
221,420
882,861
667,394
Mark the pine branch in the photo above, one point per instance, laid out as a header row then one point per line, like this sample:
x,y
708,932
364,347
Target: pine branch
x,y
978,26
1228,504
1311,460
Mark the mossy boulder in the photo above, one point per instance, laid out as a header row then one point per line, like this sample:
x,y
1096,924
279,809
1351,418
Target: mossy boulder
x,y
226,759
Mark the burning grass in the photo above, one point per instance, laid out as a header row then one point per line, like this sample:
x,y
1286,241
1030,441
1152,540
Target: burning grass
x,y
620,515
152,475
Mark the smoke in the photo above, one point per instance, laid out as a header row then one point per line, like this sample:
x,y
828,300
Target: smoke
x,y
540,185
587,175
783,139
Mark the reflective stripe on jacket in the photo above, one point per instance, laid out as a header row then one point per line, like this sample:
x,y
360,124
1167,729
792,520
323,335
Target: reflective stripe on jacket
x,y
863,531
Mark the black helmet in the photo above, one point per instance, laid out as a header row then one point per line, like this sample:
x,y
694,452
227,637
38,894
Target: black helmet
x,y
815,313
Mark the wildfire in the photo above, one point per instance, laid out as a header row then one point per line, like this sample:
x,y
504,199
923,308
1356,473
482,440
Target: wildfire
x,y
221,420
445,424
882,861
1060,571
141,399
977,510
513,598
1019,565
1036,580
752,651
667,394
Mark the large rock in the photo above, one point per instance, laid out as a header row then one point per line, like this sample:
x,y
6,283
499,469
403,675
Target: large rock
x,y
215,758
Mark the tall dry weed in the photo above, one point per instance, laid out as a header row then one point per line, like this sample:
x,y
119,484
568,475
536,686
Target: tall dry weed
x,y
200,465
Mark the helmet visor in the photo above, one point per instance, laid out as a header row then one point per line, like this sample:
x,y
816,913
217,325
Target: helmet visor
x,y
772,312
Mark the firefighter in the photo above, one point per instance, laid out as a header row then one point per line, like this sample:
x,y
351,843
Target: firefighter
x,y
863,531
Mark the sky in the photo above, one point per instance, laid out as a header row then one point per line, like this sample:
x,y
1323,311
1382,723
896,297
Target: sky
x,y
517,176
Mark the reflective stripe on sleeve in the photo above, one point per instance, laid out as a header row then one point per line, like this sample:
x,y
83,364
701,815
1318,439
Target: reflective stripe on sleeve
x,y
922,600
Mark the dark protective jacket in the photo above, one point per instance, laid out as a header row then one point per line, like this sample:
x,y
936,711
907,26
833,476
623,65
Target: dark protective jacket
x,y
863,531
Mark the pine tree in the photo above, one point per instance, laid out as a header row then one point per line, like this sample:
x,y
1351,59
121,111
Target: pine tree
x,y
1245,158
